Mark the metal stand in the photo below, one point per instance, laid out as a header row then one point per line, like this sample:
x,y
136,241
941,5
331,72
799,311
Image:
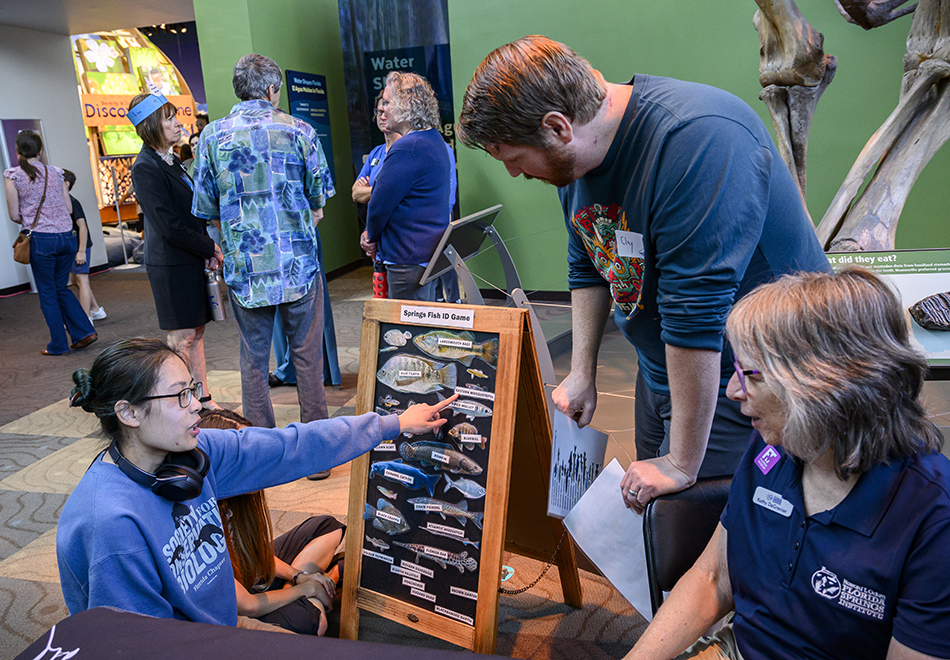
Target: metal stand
x,y
118,215
471,295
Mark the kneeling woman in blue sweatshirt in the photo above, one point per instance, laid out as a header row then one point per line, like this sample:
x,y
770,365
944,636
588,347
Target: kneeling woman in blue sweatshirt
x,y
142,532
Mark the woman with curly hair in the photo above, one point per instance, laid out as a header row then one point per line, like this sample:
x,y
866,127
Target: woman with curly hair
x,y
409,208
289,581
177,245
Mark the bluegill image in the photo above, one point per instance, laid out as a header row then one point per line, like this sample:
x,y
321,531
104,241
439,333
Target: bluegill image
x,y
440,456
459,346
467,436
411,373
386,518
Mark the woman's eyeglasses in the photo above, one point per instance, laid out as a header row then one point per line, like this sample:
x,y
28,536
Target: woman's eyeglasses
x,y
184,397
740,372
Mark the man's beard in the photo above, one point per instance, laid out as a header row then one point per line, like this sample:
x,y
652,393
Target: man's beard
x,y
560,162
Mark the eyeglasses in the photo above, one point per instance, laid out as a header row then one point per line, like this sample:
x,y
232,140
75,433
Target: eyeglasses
x,y
740,372
184,397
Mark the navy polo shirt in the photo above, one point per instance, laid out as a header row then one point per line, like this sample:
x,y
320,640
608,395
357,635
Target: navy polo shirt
x,y
841,583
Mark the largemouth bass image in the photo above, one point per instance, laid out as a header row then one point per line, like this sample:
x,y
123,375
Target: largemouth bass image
x,y
459,346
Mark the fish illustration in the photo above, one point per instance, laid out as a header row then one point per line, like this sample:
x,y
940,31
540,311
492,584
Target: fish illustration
x,y
473,386
412,477
461,561
379,544
389,401
437,431
387,349
477,373
391,494
397,338
471,409
458,511
440,456
386,518
461,539
465,435
411,373
467,487
457,346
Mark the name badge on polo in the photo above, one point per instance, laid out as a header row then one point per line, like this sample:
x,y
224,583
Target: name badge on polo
x,y
772,501
374,162
629,244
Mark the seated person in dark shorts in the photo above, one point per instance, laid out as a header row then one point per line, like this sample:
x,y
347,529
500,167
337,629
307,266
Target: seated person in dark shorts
x,y
289,581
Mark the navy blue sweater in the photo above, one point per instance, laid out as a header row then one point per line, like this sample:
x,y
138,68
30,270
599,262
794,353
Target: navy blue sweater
x,y
409,208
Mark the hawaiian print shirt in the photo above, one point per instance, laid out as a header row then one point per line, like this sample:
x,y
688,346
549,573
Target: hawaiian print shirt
x,y
261,172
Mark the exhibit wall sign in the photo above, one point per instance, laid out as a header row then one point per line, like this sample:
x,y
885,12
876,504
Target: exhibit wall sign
x,y
922,278
307,96
110,109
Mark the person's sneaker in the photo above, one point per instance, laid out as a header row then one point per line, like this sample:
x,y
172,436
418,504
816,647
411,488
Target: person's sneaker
x,y
98,314
319,476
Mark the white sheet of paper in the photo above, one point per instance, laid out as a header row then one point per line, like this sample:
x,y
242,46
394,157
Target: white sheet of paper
x,y
577,457
612,537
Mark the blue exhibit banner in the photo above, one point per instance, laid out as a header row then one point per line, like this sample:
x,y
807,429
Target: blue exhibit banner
x,y
307,96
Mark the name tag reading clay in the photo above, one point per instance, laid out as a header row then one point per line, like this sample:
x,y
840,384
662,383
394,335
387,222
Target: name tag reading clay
x,y
629,244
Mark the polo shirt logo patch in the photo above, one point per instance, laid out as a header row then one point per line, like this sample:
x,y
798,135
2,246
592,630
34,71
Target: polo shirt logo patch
x,y
849,595
772,501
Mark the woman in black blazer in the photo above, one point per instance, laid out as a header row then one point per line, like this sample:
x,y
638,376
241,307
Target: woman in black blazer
x,y
177,246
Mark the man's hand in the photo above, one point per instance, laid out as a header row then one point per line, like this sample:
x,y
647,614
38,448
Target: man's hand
x,y
361,190
576,397
645,480
317,216
215,261
366,246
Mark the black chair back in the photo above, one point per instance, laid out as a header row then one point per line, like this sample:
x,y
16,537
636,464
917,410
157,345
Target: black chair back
x,y
676,530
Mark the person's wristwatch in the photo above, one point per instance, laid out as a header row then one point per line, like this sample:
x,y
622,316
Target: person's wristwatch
x,y
298,575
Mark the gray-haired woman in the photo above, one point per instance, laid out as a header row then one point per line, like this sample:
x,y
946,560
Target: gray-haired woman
x,y
409,208
835,538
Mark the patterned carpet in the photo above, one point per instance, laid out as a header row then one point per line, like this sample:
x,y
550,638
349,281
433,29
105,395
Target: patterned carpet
x,y
45,447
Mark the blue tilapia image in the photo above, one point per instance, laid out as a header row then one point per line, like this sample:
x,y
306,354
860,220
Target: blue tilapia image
x,y
415,374
461,561
467,487
458,511
440,456
459,346
386,518
402,473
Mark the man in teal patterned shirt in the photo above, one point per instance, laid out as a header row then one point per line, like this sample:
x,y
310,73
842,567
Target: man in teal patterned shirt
x,y
263,174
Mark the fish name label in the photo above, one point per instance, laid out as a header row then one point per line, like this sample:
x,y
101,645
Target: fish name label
x,y
388,516
386,446
377,555
440,457
470,438
464,593
421,570
445,318
455,343
410,374
428,507
454,615
418,593
436,552
405,572
398,476
442,529
415,584
465,405
475,394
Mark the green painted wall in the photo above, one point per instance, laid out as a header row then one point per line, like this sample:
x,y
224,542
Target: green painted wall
x,y
709,42
302,35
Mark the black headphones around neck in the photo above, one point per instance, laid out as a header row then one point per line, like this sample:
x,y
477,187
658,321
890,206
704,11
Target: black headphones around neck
x,y
178,478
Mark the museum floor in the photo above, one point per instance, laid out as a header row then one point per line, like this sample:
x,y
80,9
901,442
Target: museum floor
x,y
45,447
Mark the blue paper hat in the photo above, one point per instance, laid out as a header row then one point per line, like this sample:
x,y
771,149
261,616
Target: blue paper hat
x,y
142,110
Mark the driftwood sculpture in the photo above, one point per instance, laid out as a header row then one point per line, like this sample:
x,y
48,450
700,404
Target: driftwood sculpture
x,y
794,71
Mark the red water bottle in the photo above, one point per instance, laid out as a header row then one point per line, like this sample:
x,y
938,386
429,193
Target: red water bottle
x,y
380,288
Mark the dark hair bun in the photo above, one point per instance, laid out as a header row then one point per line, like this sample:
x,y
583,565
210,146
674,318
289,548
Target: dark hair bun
x,y
81,393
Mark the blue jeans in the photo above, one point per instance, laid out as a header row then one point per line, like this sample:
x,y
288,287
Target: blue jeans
x,y
303,323
728,437
403,283
51,259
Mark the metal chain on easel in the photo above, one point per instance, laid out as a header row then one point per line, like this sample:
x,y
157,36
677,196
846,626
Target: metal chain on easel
x,y
513,592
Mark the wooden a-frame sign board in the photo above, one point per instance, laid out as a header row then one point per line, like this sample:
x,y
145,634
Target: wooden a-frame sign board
x,y
516,481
